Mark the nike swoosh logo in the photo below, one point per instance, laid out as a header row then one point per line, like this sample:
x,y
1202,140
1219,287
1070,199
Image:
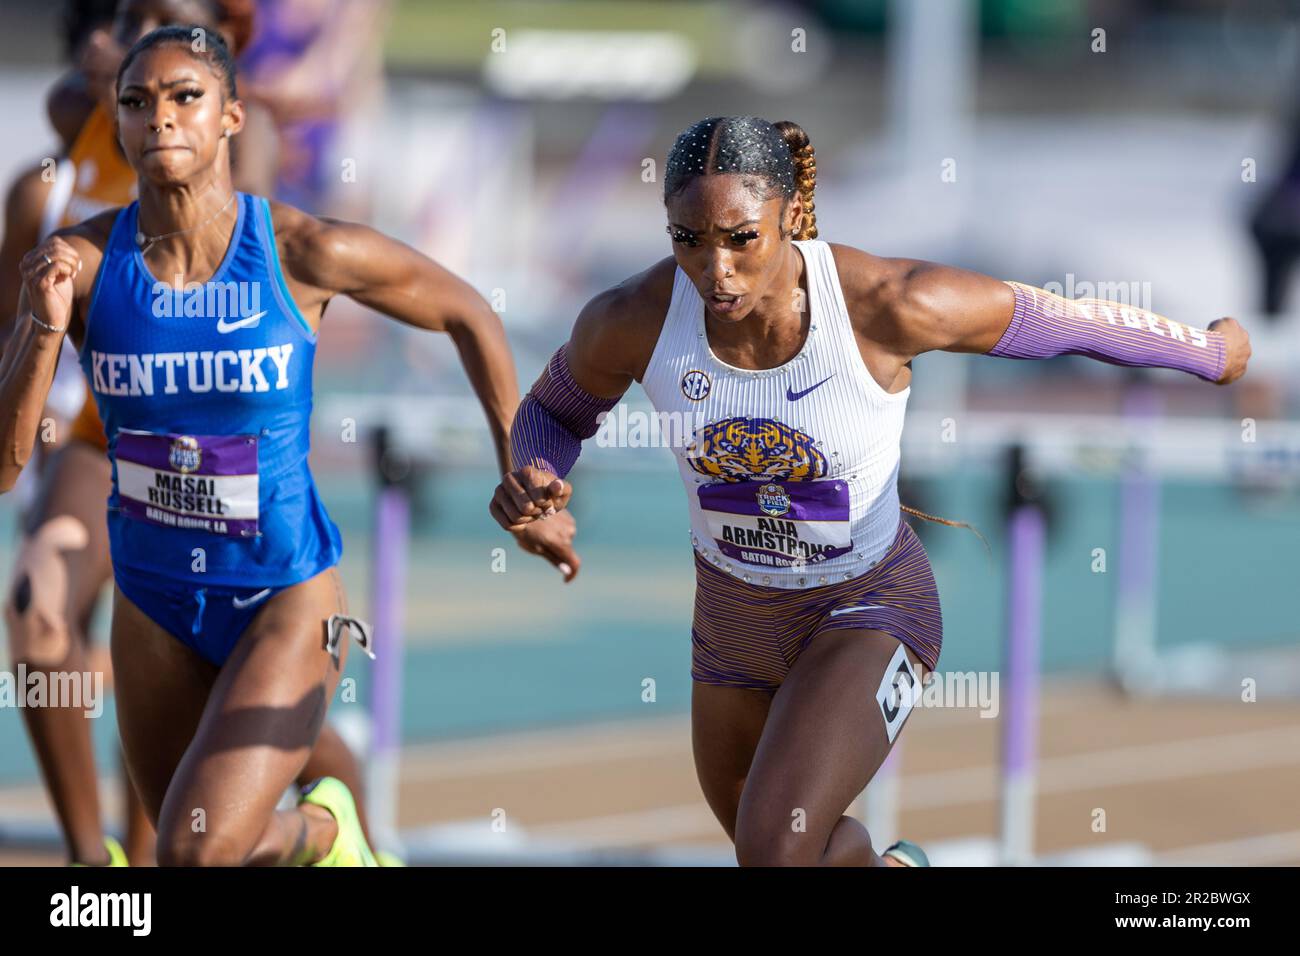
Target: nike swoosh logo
x,y
861,607
794,396
249,602
245,323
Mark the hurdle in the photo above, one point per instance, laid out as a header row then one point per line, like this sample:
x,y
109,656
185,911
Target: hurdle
x,y
1027,537
391,543
1134,662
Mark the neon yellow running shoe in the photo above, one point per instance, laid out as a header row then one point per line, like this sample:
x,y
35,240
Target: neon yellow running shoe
x,y
116,855
350,847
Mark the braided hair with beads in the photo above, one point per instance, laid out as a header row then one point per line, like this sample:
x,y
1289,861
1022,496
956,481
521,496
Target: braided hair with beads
x,y
776,158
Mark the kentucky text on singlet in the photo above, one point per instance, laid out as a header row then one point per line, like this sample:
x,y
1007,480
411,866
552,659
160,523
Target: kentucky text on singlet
x,y
205,394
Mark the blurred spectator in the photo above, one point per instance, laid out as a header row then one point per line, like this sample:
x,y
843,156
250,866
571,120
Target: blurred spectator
x,y
314,64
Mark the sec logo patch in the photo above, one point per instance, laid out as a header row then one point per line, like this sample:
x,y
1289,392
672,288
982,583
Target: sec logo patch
x,y
696,385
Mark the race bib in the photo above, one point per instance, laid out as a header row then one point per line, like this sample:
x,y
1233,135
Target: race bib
x,y
778,524
194,482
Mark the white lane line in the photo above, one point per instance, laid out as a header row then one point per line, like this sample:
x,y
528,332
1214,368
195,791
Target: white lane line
x,y
1115,767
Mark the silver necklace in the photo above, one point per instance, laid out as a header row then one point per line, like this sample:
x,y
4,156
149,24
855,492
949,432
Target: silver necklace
x,y
145,242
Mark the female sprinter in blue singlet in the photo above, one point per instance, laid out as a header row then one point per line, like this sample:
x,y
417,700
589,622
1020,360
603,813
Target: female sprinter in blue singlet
x,y
195,311
63,564
816,612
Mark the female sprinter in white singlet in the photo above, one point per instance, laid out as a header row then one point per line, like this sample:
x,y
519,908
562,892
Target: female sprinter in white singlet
x,y
816,612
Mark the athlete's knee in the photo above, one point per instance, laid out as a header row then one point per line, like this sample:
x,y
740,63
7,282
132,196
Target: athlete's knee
x,y
771,838
197,837
185,847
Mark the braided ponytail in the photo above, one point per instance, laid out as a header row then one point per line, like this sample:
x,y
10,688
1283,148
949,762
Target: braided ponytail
x,y
805,174
948,522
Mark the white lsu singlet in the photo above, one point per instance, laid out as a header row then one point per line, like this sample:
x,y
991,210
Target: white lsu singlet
x,y
792,474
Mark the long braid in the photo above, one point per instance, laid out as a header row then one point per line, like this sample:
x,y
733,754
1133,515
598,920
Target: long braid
x,y
951,524
805,174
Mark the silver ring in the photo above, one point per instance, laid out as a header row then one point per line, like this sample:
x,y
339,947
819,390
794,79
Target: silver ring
x,y
48,260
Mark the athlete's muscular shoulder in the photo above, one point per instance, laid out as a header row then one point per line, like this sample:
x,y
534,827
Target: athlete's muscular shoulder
x,y
309,251
323,257
92,232
910,306
616,332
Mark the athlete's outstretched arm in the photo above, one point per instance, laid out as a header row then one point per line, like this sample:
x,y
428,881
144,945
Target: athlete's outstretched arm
x,y
927,307
608,349
391,277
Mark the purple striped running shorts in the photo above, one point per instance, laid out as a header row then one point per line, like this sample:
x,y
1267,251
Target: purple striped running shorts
x,y
747,635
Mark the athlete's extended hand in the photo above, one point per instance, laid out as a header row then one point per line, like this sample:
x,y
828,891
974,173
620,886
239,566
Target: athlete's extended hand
x,y
553,540
1236,342
48,271
526,495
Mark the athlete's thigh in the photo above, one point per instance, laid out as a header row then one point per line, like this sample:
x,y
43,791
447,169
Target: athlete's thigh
x,y
161,687
726,724
262,717
825,735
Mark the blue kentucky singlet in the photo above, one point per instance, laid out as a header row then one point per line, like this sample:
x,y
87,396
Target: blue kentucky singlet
x,y
205,395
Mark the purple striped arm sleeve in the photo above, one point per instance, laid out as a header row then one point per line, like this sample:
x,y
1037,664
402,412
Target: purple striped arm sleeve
x,y
554,418
1044,325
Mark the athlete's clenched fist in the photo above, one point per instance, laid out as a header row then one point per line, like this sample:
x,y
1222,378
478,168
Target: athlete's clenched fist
x,y
48,271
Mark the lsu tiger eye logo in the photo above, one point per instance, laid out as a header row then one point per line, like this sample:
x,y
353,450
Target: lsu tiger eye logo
x,y
696,385
185,454
748,449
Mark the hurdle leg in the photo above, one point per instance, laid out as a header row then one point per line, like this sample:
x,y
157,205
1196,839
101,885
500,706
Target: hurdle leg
x,y
389,559
1020,711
